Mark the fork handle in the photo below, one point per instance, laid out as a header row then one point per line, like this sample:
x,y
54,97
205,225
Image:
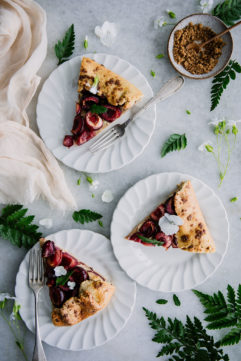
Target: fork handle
x,y
38,353
168,89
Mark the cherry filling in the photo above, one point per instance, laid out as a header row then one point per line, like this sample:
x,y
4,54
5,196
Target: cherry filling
x,y
151,229
87,121
59,292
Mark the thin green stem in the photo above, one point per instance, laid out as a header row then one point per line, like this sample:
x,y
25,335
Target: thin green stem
x,y
14,334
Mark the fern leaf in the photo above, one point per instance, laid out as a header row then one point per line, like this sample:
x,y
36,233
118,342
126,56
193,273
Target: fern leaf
x,y
231,298
64,49
232,337
173,143
221,81
229,11
169,349
227,321
10,209
85,216
17,228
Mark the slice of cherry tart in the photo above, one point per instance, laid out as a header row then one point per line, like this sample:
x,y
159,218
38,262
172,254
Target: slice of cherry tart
x,y
63,272
150,229
93,114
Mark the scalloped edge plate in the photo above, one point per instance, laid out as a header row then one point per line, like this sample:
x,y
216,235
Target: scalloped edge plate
x,y
95,250
55,114
173,270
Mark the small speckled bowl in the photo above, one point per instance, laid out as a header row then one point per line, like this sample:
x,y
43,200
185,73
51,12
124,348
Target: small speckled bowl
x,y
217,26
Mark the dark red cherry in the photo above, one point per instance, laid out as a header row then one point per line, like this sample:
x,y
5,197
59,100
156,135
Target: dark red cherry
x,y
87,102
162,237
48,249
78,125
57,296
84,137
55,260
111,113
93,121
158,213
169,206
68,141
77,108
148,229
79,275
68,261
50,282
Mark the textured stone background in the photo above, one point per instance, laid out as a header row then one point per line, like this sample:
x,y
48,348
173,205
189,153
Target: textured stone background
x,y
138,43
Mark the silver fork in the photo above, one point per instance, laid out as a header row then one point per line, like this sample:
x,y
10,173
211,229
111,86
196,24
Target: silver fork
x,y
118,130
36,282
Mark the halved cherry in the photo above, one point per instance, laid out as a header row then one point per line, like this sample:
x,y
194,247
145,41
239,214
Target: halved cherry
x,y
93,121
84,137
169,206
112,113
55,260
87,102
57,296
79,275
162,237
78,125
77,108
68,261
148,229
48,249
158,213
68,141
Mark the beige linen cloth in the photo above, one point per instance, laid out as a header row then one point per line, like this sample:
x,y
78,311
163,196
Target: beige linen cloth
x,y
28,170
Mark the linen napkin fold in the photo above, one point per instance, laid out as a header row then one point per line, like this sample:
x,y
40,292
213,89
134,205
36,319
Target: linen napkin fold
x,y
23,44
27,168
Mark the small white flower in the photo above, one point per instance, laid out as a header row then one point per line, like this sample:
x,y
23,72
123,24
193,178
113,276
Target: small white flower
x,y
107,33
231,123
93,89
215,122
60,271
159,22
46,222
95,184
202,146
6,296
169,224
107,196
71,285
206,5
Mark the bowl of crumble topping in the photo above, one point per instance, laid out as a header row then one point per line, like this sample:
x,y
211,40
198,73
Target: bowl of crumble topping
x,y
207,61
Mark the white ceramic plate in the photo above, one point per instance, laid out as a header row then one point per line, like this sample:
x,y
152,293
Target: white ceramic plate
x,y
56,110
173,270
96,251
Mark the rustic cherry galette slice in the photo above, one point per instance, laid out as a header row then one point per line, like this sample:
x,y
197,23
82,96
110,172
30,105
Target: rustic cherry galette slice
x,y
103,97
75,289
178,222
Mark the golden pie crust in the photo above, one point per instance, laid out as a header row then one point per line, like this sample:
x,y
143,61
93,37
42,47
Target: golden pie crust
x,y
94,295
117,90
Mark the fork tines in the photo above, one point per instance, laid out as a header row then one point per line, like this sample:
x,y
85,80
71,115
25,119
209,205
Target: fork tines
x,y
105,140
36,269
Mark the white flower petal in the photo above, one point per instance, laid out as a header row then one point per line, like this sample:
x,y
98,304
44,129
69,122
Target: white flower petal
x,y
107,196
206,5
71,285
202,146
231,123
95,184
172,218
60,271
46,222
6,296
107,33
159,22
